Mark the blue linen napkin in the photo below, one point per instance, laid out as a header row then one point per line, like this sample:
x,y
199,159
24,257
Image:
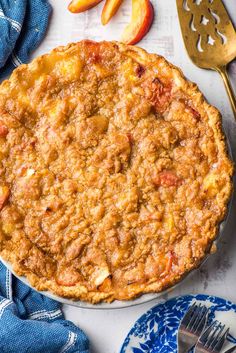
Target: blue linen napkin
x,y
23,24
29,321
33,323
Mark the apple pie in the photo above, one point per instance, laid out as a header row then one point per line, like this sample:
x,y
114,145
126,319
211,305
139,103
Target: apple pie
x,y
114,173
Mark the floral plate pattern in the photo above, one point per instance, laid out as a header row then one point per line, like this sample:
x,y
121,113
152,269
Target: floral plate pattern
x,y
156,330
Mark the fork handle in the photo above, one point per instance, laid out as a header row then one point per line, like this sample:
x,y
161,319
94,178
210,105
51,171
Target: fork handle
x,y
224,74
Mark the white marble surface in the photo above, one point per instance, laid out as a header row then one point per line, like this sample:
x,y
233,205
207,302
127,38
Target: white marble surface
x,y
107,329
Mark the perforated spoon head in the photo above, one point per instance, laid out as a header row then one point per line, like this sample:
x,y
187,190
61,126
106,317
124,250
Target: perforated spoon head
x,y
208,33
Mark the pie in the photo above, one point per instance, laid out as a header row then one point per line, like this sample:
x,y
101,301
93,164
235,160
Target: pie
x,y
114,172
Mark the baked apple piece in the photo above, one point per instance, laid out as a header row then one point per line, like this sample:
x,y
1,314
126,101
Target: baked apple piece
x,y
109,10
141,21
4,196
77,6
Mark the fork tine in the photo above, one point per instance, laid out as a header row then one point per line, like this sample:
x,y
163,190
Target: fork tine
x,y
204,337
188,315
231,350
212,333
199,317
202,321
221,341
217,337
194,318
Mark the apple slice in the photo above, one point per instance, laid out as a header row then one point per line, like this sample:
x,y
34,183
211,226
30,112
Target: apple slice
x,y
77,6
141,21
109,10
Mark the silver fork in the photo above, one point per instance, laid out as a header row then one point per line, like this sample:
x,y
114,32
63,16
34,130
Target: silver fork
x,y
191,327
231,350
213,339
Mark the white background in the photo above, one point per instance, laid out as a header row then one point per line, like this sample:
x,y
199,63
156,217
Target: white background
x,y
107,329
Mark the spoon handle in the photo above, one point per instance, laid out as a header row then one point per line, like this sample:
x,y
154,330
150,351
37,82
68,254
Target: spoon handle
x,y
223,72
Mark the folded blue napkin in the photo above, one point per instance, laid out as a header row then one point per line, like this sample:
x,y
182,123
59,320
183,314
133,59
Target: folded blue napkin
x,y
23,24
33,323
29,321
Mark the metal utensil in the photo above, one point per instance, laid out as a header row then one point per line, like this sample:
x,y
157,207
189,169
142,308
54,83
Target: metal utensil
x,y
213,339
231,350
191,327
209,37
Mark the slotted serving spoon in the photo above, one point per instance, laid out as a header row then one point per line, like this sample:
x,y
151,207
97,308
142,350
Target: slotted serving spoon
x,y
209,37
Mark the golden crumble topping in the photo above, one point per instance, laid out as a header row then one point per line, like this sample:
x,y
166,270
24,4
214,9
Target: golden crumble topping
x,y
114,174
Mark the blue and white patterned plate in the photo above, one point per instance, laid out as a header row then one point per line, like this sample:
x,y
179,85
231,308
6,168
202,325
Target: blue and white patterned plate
x,y
156,330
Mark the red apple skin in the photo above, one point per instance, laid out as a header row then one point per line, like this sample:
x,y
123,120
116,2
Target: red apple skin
x,y
143,28
78,6
146,24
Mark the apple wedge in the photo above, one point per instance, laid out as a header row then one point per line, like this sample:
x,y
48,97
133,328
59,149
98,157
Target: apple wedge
x,y
77,6
109,10
141,21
